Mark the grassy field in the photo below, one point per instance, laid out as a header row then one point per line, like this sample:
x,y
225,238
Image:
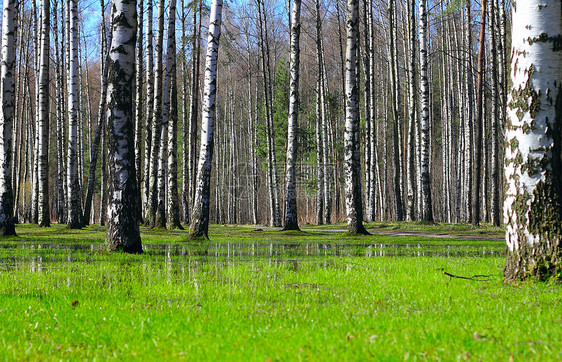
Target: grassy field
x,y
255,294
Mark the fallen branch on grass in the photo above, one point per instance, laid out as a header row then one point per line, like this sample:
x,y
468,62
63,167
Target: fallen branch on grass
x,y
477,277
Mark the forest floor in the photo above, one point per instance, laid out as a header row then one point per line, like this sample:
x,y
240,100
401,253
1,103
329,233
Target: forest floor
x,y
407,292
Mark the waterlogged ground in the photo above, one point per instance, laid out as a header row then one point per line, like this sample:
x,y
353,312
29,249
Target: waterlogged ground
x,y
259,294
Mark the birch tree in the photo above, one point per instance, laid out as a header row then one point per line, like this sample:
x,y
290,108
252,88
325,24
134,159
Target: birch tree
x,y
73,186
7,90
123,222
60,110
149,108
139,99
163,159
477,172
156,119
494,183
353,202
427,212
200,217
396,109
171,111
411,148
44,218
533,157
291,220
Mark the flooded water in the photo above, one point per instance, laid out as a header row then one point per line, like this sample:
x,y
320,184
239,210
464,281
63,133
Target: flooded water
x,y
37,254
79,264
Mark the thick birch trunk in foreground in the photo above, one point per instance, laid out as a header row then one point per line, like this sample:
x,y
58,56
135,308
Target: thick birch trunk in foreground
x,y
7,90
353,202
533,155
427,212
123,221
200,217
44,218
74,208
291,220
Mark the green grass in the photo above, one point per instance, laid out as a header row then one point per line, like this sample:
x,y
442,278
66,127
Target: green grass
x,y
218,301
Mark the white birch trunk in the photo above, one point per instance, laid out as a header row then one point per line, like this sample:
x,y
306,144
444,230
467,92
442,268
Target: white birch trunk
x,y
185,117
123,229
200,218
412,112
7,90
149,109
156,120
427,213
163,159
173,219
59,91
73,186
494,183
319,121
291,216
139,100
353,202
533,155
44,218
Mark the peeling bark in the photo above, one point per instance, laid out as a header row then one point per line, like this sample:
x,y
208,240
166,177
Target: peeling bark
x,y
533,154
123,229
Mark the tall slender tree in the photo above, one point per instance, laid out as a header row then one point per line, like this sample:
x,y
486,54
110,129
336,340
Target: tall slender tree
x,y
100,128
412,111
291,216
60,111
477,172
163,167
149,109
173,219
7,90
320,115
74,219
533,155
396,109
157,119
427,209
353,202
200,217
44,218
494,119
139,99
123,229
